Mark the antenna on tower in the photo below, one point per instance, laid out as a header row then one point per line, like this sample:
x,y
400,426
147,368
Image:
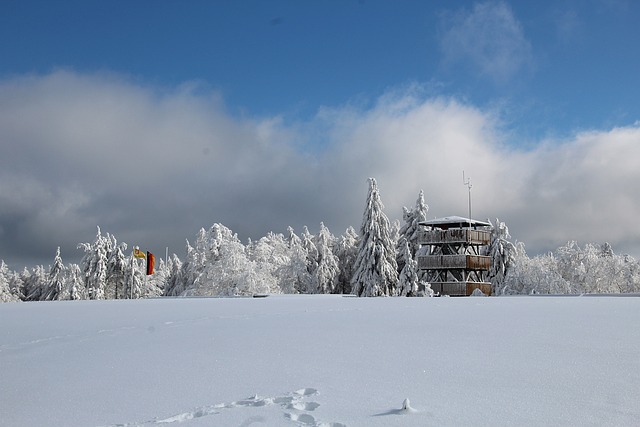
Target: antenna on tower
x,y
467,181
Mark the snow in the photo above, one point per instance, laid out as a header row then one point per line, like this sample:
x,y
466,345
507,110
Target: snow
x,y
321,360
455,221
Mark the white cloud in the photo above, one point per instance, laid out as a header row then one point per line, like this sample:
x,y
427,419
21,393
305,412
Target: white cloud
x,y
154,166
489,38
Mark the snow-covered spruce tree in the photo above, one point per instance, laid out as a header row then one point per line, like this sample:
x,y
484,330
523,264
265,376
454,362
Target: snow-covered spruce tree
x,y
154,283
311,252
272,258
376,270
5,291
134,279
193,265
297,268
269,255
94,266
75,289
189,272
532,276
328,268
174,285
117,265
410,230
35,284
231,272
19,285
55,283
502,253
346,251
215,277
199,257
632,272
16,285
595,268
408,279
625,272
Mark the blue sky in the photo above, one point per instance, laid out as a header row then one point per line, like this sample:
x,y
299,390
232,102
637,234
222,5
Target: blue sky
x,y
522,86
567,65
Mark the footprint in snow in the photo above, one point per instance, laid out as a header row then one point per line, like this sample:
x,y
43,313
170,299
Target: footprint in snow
x,y
303,406
291,401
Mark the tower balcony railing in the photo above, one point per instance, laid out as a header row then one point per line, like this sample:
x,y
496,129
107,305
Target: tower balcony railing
x,y
455,236
448,262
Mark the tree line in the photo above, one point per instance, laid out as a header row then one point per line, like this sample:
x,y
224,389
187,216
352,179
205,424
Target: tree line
x,y
380,260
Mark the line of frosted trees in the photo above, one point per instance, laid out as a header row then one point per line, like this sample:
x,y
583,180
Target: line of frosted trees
x,y
379,261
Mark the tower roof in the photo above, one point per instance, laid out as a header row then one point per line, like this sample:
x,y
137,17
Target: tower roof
x,y
455,221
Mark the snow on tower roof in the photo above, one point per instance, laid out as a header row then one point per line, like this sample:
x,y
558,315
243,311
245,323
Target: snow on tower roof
x,y
454,221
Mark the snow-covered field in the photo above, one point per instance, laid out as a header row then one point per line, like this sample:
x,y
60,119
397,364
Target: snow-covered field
x,y
322,361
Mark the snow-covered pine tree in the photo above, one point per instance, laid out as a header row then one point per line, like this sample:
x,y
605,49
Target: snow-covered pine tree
x,y
94,266
410,230
346,251
297,269
189,272
75,285
408,279
376,270
229,271
55,283
311,252
35,285
194,264
5,291
269,254
502,253
134,278
117,264
154,283
19,286
328,268
16,285
173,282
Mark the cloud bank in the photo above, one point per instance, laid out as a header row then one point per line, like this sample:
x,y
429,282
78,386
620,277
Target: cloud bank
x,y
153,165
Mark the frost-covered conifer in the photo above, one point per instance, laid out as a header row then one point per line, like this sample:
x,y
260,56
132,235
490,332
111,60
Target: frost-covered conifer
x,y
94,266
230,272
5,291
311,252
278,261
134,278
410,230
502,253
35,284
326,273
268,254
408,279
174,285
189,272
297,270
346,251
195,262
375,267
154,283
19,285
55,283
117,264
532,276
76,289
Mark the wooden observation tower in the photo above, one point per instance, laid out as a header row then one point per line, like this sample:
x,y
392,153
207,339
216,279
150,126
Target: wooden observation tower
x,y
453,259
